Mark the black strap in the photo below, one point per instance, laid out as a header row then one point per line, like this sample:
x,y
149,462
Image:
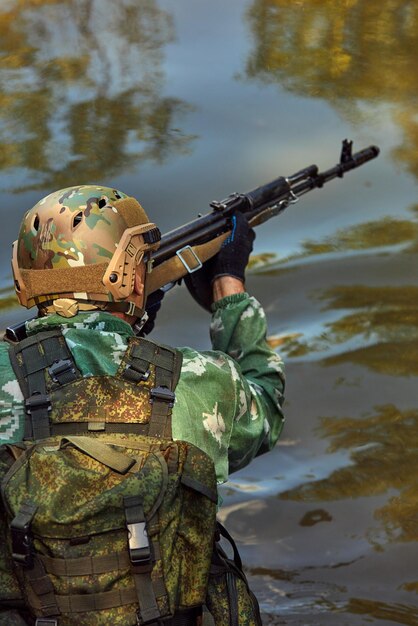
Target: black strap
x,y
141,559
41,588
231,569
22,543
184,618
41,363
224,533
141,359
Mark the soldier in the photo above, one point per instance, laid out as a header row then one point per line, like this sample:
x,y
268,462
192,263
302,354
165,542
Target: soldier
x,y
113,444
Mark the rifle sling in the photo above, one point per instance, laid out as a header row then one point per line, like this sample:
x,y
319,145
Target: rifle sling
x,y
174,268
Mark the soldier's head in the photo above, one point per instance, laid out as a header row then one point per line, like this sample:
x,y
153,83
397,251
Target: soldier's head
x,y
84,248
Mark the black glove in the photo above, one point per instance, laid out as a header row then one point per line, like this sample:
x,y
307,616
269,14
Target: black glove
x,y
231,260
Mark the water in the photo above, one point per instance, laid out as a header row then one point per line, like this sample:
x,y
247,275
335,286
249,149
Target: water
x,y
179,105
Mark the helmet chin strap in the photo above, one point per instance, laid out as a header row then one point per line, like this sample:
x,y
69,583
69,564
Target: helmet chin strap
x,y
127,307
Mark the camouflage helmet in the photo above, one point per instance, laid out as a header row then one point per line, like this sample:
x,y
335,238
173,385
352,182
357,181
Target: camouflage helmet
x,y
83,243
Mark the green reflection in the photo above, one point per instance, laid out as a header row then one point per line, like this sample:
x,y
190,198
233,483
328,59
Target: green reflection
x,y
315,517
349,53
394,613
354,48
383,319
383,453
81,89
375,234
388,316
8,299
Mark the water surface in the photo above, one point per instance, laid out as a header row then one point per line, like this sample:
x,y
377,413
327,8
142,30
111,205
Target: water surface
x,y
181,105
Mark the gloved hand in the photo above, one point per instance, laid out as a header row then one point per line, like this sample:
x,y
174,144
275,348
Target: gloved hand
x,y
231,260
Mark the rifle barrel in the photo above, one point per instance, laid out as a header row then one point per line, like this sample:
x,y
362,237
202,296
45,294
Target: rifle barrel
x,y
280,190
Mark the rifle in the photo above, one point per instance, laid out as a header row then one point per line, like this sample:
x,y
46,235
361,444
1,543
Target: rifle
x,y
184,250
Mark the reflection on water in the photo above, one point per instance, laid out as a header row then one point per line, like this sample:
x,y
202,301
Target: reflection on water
x,y
352,54
323,523
8,298
375,326
81,90
361,48
383,449
315,517
379,332
387,321
393,613
387,234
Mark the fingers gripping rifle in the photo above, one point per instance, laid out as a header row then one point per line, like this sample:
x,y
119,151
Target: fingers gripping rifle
x,y
184,249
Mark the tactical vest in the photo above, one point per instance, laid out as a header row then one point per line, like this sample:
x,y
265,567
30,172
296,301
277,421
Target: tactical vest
x,y
111,521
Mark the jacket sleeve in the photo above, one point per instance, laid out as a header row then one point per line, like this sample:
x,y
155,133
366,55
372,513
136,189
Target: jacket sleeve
x,y
239,329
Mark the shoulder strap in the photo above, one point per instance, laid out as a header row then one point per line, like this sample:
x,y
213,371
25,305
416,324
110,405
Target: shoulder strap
x,y
32,359
136,368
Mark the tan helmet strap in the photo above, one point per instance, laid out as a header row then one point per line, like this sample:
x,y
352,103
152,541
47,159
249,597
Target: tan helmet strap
x,y
50,282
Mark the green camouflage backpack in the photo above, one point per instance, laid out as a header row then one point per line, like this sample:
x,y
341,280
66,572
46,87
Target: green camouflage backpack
x,y
111,521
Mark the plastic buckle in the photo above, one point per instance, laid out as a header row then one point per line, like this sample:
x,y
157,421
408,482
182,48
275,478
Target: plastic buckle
x,y
21,544
186,265
164,394
58,368
37,401
46,621
139,548
131,308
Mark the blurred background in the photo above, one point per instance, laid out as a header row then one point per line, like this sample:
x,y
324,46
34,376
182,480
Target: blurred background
x,y
180,105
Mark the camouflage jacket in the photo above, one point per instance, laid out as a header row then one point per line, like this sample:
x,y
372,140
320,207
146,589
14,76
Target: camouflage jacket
x,y
228,400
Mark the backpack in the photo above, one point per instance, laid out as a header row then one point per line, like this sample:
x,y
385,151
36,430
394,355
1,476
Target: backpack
x,y
110,520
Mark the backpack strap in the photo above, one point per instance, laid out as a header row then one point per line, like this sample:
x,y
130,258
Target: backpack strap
x,y
32,359
230,571
140,357
140,554
41,589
